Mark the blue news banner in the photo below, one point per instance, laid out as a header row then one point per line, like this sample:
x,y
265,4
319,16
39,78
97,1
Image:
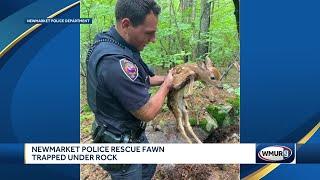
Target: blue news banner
x,y
280,101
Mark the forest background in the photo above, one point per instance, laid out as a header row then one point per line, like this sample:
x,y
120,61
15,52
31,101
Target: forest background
x,y
188,30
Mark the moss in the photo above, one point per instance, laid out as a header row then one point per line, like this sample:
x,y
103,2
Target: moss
x,y
203,124
217,113
193,121
235,103
223,114
228,121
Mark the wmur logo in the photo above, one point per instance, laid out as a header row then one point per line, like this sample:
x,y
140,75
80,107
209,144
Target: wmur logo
x,y
270,153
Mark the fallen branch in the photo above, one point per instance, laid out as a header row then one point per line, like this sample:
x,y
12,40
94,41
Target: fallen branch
x,y
235,64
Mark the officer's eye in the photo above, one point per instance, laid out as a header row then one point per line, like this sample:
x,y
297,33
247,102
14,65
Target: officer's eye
x,y
150,33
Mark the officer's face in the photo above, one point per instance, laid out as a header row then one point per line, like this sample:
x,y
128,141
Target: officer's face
x,y
144,33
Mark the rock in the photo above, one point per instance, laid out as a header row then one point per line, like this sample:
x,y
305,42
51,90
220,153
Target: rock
x,y
227,134
211,123
157,128
223,114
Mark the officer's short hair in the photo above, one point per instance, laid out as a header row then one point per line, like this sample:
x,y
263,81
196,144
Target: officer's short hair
x,y
136,10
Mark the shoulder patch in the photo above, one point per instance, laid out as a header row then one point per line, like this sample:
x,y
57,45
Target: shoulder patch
x,y
129,69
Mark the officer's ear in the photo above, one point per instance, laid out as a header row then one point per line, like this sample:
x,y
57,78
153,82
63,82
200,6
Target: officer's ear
x,y
125,23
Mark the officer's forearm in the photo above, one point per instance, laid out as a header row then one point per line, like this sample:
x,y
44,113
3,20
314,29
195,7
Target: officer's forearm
x,y
156,80
150,110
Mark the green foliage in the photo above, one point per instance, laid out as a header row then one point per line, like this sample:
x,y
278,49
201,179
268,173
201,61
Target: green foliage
x,y
102,14
177,35
86,113
235,103
222,114
237,91
193,121
228,88
86,129
223,35
86,108
202,123
86,116
214,113
153,90
226,115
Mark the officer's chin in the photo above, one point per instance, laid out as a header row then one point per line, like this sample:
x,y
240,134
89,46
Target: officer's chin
x,y
141,48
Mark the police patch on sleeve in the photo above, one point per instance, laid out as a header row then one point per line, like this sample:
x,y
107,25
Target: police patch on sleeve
x,y
129,69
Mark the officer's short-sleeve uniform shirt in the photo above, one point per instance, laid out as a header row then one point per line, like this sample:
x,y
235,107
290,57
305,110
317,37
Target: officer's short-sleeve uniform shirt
x,y
123,84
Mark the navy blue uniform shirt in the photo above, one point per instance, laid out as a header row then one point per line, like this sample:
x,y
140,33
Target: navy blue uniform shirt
x,y
123,84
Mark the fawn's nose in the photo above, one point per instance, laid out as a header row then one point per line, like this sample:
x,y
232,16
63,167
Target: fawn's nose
x,y
220,86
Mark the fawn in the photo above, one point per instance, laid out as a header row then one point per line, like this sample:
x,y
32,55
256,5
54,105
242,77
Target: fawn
x,y
184,76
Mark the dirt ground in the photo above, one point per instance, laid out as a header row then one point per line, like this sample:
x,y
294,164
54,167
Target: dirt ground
x,y
164,130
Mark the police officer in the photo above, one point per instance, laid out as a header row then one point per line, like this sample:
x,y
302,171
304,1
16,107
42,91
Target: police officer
x,y
119,80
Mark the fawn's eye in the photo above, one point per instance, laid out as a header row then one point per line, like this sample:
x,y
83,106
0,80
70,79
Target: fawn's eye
x,y
212,78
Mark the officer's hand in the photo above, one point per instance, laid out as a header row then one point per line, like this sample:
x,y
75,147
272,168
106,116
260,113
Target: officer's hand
x,y
168,81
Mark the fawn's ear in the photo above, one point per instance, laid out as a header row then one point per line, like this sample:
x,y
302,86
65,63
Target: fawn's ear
x,y
208,62
201,64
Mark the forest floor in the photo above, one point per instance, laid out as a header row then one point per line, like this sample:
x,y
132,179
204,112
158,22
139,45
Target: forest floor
x,y
166,132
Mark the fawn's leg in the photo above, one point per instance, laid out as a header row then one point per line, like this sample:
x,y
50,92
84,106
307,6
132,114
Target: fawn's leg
x,y
178,115
190,87
188,126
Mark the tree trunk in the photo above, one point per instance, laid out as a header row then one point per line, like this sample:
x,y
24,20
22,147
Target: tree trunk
x,y
236,13
184,4
203,46
187,5
179,33
194,31
194,10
